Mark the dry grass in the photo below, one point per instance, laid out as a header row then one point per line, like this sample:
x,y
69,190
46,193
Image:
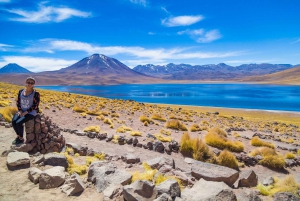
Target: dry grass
x,y
201,151
165,132
226,158
8,112
290,155
92,129
158,117
255,141
123,129
161,138
176,125
136,133
79,109
144,118
273,161
263,151
107,121
186,144
148,174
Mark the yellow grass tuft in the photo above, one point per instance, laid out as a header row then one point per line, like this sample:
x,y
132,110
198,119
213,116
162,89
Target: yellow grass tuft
x,y
93,112
8,112
92,129
255,141
144,118
165,132
115,115
158,117
78,109
148,174
176,124
226,158
146,123
100,156
115,139
136,133
107,121
290,155
195,128
219,131
263,151
201,151
298,152
90,159
162,138
123,129
220,141
186,144
236,135
101,117
273,161
4,103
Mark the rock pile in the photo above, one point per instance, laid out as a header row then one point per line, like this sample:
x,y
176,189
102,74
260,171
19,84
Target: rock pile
x,y
42,135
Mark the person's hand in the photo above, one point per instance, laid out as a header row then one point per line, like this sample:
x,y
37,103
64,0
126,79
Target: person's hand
x,y
24,113
19,113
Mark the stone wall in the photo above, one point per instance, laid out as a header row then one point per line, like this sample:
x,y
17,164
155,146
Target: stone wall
x,y
42,135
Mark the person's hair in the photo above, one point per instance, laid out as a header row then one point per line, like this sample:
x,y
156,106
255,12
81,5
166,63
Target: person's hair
x,y
30,78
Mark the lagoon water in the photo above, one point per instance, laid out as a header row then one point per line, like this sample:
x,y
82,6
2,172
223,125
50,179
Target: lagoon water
x,y
247,96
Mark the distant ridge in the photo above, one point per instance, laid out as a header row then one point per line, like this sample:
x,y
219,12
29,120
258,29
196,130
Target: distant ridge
x,y
12,68
219,71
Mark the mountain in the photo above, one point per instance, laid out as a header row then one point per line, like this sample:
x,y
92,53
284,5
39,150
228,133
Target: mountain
x,y
13,68
290,76
209,72
96,69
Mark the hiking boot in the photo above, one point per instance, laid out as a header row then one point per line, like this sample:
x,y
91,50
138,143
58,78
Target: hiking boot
x,y
20,141
16,141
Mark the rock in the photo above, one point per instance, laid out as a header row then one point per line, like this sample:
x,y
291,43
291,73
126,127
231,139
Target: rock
x,y
208,190
102,136
135,141
290,162
140,190
29,137
212,172
34,174
285,197
17,158
158,162
74,146
73,185
83,151
112,191
164,197
56,160
189,160
121,140
248,179
80,133
149,145
158,146
268,181
165,168
129,141
92,134
94,170
130,158
52,178
24,148
170,187
90,152
109,138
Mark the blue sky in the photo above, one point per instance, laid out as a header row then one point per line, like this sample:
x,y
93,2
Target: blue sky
x,y
49,35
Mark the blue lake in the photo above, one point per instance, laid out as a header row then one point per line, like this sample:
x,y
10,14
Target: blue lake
x,y
247,96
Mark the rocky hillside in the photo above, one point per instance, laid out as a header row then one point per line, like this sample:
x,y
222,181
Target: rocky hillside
x,y
13,68
209,72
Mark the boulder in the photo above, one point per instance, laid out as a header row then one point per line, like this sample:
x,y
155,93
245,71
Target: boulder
x,y
140,190
268,181
73,185
158,162
158,146
284,196
74,146
212,172
164,197
112,191
52,178
56,160
38,159
165,168
130,158
24,147
208,190
170,187
248,179
17,158
34,174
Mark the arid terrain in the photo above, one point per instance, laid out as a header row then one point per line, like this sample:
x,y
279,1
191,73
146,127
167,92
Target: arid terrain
x,y
75,113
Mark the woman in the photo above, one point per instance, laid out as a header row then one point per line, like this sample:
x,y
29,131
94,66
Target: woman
x,y
28,106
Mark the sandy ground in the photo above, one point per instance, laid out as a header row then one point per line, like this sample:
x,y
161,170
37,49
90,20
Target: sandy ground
x,y
15,185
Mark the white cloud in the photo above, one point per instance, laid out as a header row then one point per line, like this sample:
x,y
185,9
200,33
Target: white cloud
x,y
4,47
164,9
201,35
47,14
4,1
183,20
141,2
37,64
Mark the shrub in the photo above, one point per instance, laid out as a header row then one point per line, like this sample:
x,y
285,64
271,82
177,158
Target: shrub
x,y
219,131
100,156
115,115
176,124
78,109
255,141
158,117
195,128
115,139
107,121
263,151
290,155
123,129
92,129
135,133
148,174
226,158
186,144
101,117
93,112
162,138
236,135
4,103
146,123
215,140
298,152
201,151
273,161
90,159
144,118
8,112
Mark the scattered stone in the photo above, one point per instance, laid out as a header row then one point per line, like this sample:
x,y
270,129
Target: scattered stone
x,y
165,168
208,190
34,175
17,158
268,181
56,160
130,158
109,138
73,185
212,172
248,179
24,147
284,196
135,141
164,197
112,191
170,187
140,190
158,162
158,146
102,136
52,178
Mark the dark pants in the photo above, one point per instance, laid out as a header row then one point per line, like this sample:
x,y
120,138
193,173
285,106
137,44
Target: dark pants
x,y
17,123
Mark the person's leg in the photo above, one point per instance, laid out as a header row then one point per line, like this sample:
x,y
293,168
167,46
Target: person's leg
x,y
20,122
14,123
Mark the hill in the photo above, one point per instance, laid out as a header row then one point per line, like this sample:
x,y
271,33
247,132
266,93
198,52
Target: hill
x,y
290,76
209,72
12,68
